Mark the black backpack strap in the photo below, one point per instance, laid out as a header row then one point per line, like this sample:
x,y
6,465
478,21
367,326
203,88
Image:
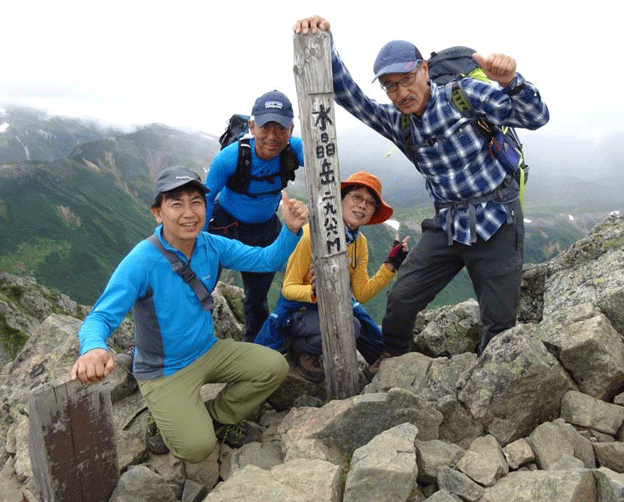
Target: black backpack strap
x,y
184,270
289,163
408,138
242,177
239,181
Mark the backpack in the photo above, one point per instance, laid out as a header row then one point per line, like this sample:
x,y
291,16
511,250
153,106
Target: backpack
x,y
447,68
238,130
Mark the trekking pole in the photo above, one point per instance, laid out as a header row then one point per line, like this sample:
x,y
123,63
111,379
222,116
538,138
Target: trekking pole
x,y
313,79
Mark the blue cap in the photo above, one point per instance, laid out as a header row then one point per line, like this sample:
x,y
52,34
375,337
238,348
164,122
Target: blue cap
x,y
273,106
397,56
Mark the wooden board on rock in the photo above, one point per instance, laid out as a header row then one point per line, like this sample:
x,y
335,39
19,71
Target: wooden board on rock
x,y
72,442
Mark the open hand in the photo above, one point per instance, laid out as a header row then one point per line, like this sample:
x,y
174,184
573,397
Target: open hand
x,y
294,212
497,67
311,23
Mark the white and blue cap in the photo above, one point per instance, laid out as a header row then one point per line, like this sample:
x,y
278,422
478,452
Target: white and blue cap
x,y
175,177
273,106
397,56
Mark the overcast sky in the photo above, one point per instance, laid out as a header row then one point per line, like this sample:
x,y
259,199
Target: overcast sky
x,y
189,63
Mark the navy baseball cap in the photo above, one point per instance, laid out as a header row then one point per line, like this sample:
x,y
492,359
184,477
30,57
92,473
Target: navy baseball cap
x,y
273,106
397,56
176,176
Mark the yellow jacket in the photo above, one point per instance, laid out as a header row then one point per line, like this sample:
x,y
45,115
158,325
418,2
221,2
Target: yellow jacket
x,y
297,278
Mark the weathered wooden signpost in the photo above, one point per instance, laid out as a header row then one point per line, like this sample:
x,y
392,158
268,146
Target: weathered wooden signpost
x,y
313,79
72,445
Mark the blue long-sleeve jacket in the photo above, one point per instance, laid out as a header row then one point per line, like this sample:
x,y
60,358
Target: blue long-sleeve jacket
x,y
249,209
176,329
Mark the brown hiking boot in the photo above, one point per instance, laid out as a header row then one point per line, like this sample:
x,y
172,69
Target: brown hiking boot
x,y
370,370
308,366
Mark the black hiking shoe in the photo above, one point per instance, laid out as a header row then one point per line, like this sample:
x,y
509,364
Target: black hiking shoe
x,y
237,435
153,438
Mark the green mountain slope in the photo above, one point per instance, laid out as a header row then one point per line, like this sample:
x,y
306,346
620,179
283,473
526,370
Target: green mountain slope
x,y
68,223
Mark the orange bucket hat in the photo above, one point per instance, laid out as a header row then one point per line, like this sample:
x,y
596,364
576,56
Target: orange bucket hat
x,y
362,178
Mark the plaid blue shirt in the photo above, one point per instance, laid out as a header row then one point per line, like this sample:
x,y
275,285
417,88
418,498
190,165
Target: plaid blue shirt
x,y
458,166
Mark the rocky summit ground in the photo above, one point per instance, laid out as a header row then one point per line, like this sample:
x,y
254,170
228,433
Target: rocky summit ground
x,y
537,417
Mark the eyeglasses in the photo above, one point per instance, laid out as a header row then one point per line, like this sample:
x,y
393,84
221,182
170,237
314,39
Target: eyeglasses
x,y
408,79
358,199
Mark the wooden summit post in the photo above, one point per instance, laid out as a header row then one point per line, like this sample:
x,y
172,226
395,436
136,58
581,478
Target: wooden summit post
x,y
72,444
315,93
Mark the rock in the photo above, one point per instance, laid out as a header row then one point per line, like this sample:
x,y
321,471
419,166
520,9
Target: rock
x,y
264,455
610,485
518,453
301,480
10,486
443,496
408,371
341,427
515,385
458,425
585,411
454,330
518,392
531,305
385,468
591,271
583,449
291,390
205,473
566,462
459,484
141,484
551,486
433,454
484,461
588,347
610,455
193,492
444,374
228,317
549,444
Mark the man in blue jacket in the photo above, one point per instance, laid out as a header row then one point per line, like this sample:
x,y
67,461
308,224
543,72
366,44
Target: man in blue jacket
x,y
249,194
479,222
176,349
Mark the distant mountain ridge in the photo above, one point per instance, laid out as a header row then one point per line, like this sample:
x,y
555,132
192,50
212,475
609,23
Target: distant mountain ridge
x,y
69,222
32,135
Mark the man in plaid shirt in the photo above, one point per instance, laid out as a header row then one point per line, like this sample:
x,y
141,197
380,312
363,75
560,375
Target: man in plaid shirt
x,y
479,222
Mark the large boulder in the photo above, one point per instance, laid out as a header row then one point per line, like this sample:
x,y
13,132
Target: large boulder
x,y
515,385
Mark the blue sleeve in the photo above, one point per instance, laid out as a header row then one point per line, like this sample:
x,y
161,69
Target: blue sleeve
x,y
237,256
517,105
127,284
297,146
222,167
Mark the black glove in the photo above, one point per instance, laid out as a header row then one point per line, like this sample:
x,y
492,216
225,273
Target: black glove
x,y
397,255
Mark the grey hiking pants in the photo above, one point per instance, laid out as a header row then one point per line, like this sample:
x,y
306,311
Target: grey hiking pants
x,y
494,267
